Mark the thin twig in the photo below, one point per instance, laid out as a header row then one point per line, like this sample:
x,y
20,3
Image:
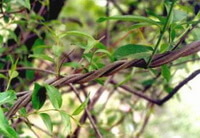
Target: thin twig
x,y
30,68
88,113
166,98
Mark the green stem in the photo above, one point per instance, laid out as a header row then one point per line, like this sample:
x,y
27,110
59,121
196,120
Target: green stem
x,y
161,34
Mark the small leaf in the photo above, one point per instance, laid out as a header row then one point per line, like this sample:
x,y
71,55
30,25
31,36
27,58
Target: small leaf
x,y
38,96
47,121
136,51
76,33
129,18
139,25
165,71
41,56
6,18
23,111
90,45
5,128
1,39
13,74
8,96
81,107
72,64
54,96
163,47
103,51
66,121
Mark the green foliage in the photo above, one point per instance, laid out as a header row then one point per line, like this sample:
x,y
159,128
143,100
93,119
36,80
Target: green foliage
x,y
165,71
66,121
129,18
74,43
7,96
38,96
133,51
54,96
5,128
79,109
47,121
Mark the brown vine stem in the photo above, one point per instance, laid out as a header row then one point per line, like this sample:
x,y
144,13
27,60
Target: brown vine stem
x,y
30,68
110,69
88,113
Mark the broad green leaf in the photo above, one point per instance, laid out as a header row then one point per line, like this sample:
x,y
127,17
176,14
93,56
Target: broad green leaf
x,y
66,121
54,96
132,50
5,128
25,3
165,71
38,96
8,96
132,18
81,107
47,121
42,56
76,33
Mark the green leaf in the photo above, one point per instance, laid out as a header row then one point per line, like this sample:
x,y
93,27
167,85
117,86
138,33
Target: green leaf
x,y
76,33
129,18
139,25
165,71
72,64
135,51
8,96
6,18
30,74
81,107
179,15
5,128
1,39
13,74
38,46
42,56
47,121
3,76
23,111
54,96
163,47
103,51
38,96
25,3
90,45
66,121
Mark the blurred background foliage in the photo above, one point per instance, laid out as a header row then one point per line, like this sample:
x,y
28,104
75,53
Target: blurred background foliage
x,y
76,31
